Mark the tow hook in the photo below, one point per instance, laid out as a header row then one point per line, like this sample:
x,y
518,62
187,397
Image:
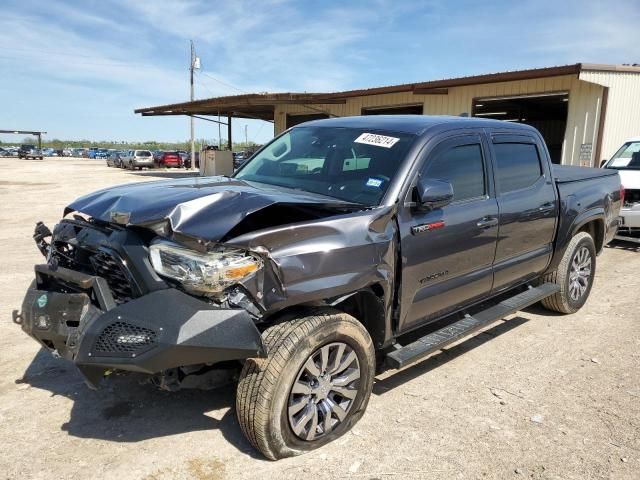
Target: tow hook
x,y
17,317
41,232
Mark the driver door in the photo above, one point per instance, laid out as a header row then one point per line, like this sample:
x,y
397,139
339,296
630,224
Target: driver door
x,y
448,253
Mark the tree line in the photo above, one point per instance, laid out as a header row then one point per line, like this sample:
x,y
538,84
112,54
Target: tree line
x,y
58,144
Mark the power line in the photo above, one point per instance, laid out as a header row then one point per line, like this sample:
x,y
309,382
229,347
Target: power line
x,y
224,83
247,93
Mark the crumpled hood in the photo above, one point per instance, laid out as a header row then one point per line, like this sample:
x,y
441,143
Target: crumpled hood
x,y
202,207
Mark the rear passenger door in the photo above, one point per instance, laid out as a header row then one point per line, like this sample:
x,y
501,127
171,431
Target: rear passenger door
x,y
528,206
447,253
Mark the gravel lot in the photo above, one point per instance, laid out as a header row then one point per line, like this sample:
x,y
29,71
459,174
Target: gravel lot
x,y
548,397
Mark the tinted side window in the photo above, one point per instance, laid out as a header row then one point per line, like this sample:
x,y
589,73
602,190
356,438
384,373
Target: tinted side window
x,y
518,165
462,166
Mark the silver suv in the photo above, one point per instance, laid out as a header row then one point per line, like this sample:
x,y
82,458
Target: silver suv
x,y
137,159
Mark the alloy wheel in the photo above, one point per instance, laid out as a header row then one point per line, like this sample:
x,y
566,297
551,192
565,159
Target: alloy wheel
x,y
580,273
324,391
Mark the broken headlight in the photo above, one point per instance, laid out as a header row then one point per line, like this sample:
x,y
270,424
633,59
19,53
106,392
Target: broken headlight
x,y
204,273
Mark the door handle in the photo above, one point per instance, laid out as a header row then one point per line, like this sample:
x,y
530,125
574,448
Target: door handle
x,y
547,207
487,222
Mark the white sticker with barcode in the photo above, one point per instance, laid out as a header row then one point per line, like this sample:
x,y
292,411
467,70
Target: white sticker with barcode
x,y
376,140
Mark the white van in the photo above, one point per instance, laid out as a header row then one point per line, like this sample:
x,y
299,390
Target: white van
x,y
627,161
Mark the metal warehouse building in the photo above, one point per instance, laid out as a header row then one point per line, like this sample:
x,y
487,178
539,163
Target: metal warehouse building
x,y
584,111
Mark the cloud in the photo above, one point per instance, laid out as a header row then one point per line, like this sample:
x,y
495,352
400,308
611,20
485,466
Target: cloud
x,y
55,54
274,40
99,61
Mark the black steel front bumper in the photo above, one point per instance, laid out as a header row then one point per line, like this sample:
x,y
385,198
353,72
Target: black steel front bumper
x,y
158,331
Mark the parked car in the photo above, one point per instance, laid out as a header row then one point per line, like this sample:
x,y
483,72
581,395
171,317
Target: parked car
x,y
49,152
627,162
329,256
187,161
30,151
137,159
67,152
156,155
169,160
101,153
238,159
114,159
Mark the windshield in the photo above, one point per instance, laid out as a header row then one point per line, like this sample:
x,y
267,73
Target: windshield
x,y
142,153
351,164
627,158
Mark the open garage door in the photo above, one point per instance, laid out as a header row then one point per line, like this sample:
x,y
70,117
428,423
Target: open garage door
x,y
545,111
397,110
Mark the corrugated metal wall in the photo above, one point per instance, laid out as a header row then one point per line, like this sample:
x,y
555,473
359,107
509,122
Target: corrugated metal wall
x,y
623,107
582,122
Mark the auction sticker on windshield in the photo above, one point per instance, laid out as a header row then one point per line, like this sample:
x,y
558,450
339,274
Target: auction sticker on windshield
x,y
376,140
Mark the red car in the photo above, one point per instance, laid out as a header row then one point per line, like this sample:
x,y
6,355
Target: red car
x,y
170,159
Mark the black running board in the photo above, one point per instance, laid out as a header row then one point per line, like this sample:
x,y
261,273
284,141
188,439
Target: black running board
x,y
625,238
439,339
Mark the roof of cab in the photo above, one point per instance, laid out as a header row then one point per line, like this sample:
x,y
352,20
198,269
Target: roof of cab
x,y
413,124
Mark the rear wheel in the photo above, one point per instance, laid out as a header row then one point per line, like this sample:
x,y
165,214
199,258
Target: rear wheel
x,y
313,387
574,275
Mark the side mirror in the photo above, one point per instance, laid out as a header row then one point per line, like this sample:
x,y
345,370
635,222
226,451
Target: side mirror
x,y
602,162
433,193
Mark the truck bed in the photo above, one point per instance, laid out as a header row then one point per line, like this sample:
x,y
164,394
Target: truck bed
x,y
568,173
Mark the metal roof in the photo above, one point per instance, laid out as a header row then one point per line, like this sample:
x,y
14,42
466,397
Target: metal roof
x,y
413,124
262,105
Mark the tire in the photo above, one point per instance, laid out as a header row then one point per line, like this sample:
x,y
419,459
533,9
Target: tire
x,y
571,297
265,390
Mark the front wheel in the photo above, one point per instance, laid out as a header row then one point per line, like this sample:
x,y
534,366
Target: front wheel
x,y
574,275
312,388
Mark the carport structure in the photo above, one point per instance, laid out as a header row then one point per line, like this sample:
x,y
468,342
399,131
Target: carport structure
x,y
260,106
26,132
583,111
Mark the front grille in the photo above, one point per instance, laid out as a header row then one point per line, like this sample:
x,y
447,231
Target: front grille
x,y
79,245
124,337
631,197
113,271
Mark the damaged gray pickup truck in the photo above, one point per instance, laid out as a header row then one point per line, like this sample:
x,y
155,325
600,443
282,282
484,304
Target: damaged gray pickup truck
x,y
342,248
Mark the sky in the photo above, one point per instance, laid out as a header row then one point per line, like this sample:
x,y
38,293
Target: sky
x,y
78,69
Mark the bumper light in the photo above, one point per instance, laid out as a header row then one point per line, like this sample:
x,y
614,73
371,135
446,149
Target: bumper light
x,y
203,273
133,339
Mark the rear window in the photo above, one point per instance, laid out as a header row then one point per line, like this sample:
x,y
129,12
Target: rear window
x,y
143,153
518,165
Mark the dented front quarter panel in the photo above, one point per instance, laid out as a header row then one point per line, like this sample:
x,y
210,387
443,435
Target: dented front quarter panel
x,y
338,248
325,259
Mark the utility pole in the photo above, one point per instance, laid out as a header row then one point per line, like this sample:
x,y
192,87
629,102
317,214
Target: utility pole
x,y
195,64
246,138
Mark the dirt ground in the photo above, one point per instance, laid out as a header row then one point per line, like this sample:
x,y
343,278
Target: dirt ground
x,y
535,396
